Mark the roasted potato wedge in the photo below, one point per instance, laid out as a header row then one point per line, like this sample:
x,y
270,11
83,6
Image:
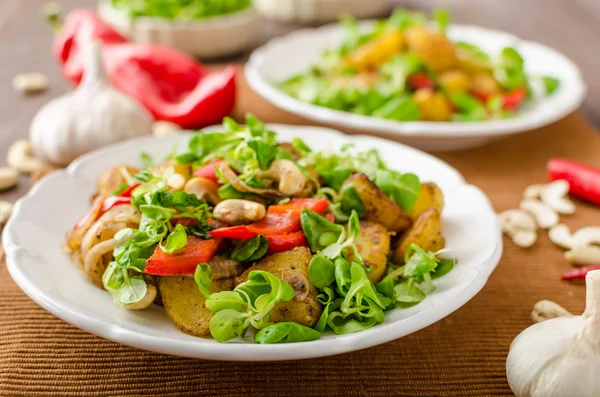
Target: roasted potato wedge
x,y
291,267
431,196
184,303
426,233
379,207
373,245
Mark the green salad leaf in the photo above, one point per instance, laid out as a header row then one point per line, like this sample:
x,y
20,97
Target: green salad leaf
x,y
180,9
286,332
203,278
251,250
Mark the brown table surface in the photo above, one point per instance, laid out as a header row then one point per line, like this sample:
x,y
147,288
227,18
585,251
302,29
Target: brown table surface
x,y
463,354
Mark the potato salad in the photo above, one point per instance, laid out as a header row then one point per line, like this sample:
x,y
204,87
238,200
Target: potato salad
x,y
408,69
244,236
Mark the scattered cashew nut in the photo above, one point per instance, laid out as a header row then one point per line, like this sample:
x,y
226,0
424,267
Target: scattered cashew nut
x,y
545,310
30,83
8,177
587,236
6,209
20,157
533,191
583,255
545,217
561,235
554,195
146,301
163,128
519,226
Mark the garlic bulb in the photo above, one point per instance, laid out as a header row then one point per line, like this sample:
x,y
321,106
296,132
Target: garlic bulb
x,y
559,357
92,116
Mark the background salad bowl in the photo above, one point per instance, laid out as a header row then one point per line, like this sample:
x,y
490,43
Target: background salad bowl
x,y
288,56
35,234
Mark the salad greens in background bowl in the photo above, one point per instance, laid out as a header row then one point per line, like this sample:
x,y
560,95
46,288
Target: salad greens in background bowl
x,y
431,84
359,300
203,28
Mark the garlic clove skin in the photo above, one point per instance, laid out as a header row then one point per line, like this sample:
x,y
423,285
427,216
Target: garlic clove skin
x,y
94,115
559,357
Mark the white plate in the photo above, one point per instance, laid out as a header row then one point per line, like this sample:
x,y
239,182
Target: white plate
x,y
35,233
290,55
207,38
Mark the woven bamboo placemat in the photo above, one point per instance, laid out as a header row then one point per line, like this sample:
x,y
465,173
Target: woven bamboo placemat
x,y
462,355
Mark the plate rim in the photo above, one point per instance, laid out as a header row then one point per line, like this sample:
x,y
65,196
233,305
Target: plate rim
x,y
230,352
423,129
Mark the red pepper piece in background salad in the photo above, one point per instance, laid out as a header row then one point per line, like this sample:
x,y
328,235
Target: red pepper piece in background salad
x,y
514,99
170,84
208,171
286,242
185,260
420,81
584,179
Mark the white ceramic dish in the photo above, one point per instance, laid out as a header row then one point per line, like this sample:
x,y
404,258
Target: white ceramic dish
x,y
35,233
287,56
210,38
313,11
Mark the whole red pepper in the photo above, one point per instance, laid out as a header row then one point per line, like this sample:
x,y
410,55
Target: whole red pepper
x,y
170,84
579,273
584,180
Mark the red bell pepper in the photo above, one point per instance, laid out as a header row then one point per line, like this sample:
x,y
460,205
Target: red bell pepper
x,y
584,180
318,205
286,242
127,192
330,217
170,84
185,260
277,223
579,273
512,100
208,171
113,201
237,232
420,81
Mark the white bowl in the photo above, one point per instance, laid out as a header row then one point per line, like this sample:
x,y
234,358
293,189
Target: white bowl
x,y
35,233
313,11
287,56
208,38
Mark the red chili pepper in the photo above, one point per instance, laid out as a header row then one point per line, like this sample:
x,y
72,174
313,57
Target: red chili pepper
x,y
512,100
318,205
208,171
579,273
420,81
584,180
170,84
286,242
237,232
185,260
127,192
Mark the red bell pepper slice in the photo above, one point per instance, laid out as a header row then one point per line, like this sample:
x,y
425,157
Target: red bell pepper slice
x,y
237,232
420,81
584,180
185,260
113,201
512,100
330,217
208,171
286,242
170,84
127,192
318,205
277,223
579,273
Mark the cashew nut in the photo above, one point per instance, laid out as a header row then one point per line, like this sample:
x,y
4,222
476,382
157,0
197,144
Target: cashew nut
x,y
204,189
20,157
545,310
163,128
235,211
146,301
6,209
290,177
561,235
587,236
545,216
176,181
8,177
583,255
30,83
519,226
533,191
554,195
